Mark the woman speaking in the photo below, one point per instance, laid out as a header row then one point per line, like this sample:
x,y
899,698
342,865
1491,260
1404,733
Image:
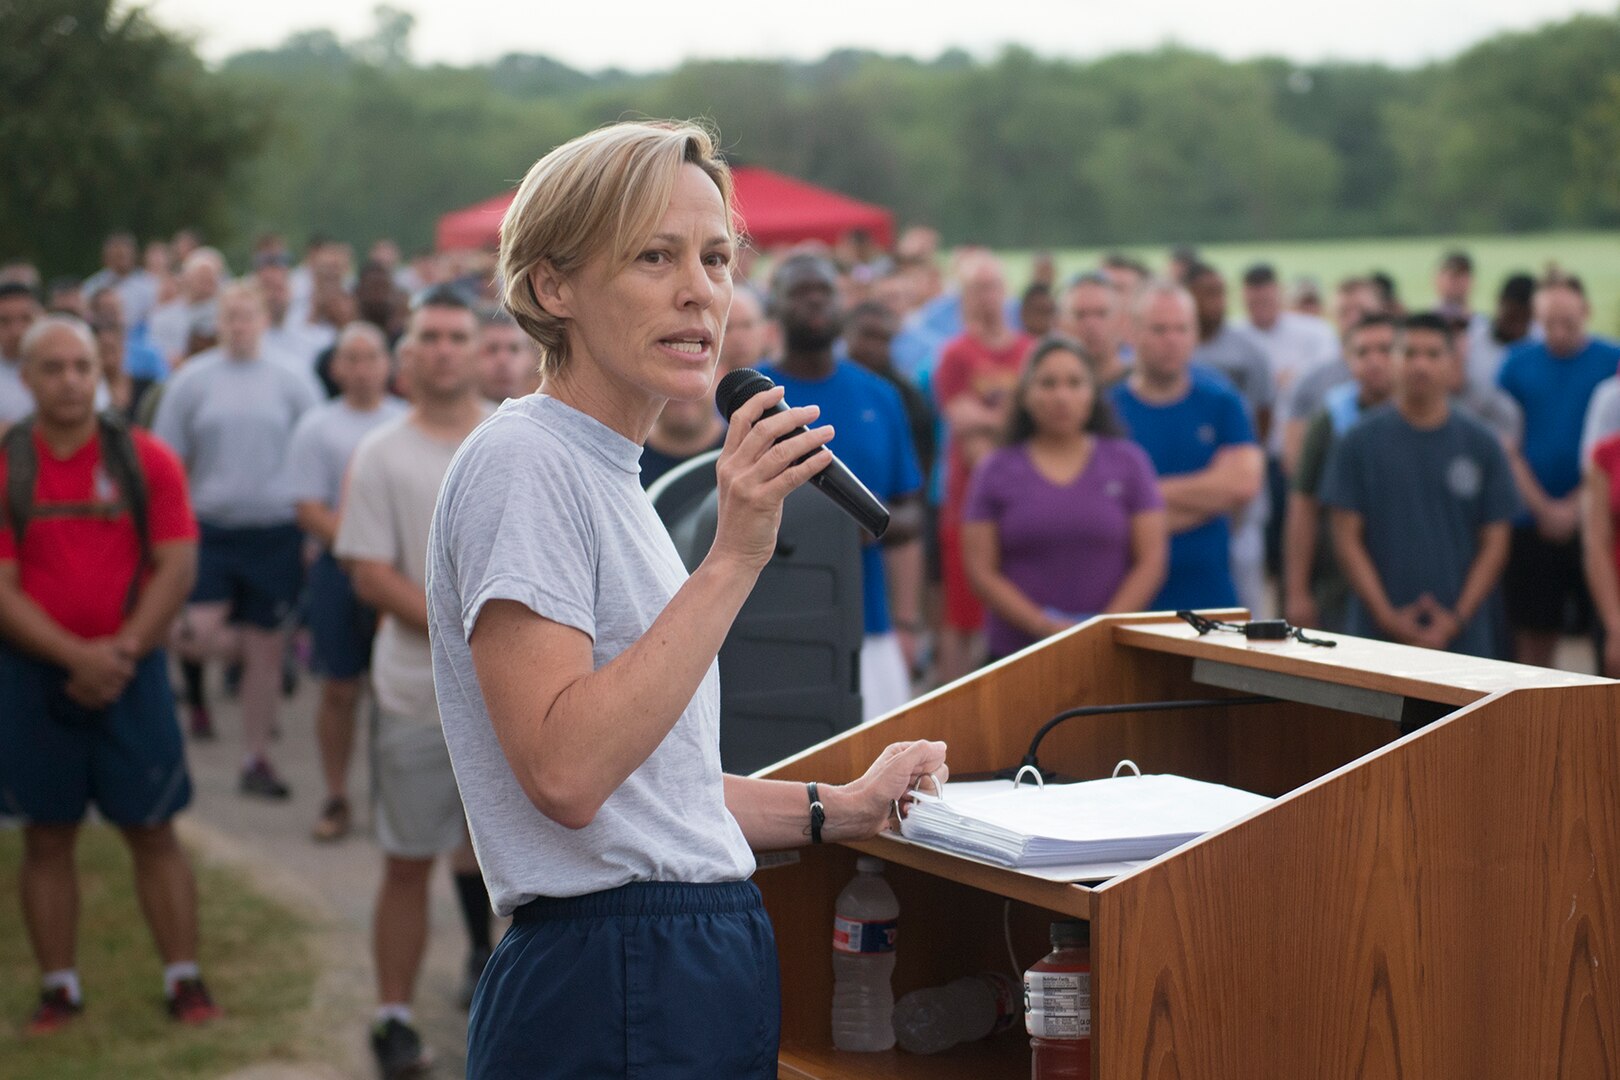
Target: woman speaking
x,y
575,659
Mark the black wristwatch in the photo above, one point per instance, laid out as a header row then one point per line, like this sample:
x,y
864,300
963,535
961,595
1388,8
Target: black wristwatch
x,y
818,813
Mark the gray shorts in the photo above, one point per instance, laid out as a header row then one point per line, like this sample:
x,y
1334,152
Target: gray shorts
x,y
417,806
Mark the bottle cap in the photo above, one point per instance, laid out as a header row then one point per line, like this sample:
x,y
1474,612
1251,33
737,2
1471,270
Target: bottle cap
x,y
1071,933
869,864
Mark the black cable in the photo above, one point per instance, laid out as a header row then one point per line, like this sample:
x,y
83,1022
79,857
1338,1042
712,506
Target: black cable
x,y
1140,706
1254,629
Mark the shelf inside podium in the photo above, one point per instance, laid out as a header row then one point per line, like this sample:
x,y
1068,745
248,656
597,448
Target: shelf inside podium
x,y
1002,1057
1065,897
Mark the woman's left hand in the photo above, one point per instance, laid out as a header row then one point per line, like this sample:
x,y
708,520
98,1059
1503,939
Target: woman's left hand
x,y
861,810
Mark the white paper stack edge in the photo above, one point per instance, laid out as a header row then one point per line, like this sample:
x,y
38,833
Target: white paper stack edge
x,y
1097,821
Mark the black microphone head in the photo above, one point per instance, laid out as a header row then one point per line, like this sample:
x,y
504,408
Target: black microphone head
x,y
737,387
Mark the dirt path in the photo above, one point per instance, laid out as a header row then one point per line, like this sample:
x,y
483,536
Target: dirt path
x,y
332,884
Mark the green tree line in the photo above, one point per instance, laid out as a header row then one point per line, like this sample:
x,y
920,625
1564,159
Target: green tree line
x,y
354,138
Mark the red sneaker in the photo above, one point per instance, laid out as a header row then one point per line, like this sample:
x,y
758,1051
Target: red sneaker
x,y
56,1009
190,1003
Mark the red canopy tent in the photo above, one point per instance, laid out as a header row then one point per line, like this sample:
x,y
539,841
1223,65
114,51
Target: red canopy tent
x,y
773,210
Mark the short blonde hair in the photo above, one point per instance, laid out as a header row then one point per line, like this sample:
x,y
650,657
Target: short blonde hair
x,y
604,192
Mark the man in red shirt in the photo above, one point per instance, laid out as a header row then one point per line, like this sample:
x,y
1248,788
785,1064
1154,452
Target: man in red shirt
x,y
974,385
88,711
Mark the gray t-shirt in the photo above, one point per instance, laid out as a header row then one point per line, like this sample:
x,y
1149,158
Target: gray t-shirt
x,y
1304,400
15,400
393,484
1235,353
1495,408
231,422
324,441
544,506
138,290
1602,416
1423,497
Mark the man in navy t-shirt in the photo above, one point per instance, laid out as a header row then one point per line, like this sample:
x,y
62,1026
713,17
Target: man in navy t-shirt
x,y
1421,496
1195,428
1552,380
874,440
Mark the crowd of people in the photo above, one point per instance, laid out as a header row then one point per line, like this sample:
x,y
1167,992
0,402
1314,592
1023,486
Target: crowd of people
x,y
241,472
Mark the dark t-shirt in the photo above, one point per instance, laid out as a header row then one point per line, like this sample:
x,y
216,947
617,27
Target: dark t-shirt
x,y
1423,496
655,463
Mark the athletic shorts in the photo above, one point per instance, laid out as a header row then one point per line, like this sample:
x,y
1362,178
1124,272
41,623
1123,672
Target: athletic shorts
x,y
652,979
258,570
963,611
342,626
1545,584
417,806
57,757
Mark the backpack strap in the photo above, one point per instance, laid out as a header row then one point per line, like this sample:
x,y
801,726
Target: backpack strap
x,y
22,469
123,464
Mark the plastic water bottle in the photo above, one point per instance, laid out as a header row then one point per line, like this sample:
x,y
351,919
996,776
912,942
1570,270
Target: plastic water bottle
x,y
965,1010
1057,1006
863,960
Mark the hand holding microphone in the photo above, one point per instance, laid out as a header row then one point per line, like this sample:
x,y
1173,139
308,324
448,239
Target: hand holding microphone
x,y
833,479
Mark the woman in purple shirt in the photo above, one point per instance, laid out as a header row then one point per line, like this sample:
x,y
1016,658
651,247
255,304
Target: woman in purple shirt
x,y
1065,521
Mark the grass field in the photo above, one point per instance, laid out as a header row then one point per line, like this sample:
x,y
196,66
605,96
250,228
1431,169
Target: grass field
x,y
1595,256
255,955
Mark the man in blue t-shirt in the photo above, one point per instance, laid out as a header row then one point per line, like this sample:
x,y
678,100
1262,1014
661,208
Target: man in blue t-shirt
x,y
1552,380
874,441
1195,428
1421,496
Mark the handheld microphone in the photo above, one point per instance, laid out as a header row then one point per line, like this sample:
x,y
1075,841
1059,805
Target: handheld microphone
x,y
835,481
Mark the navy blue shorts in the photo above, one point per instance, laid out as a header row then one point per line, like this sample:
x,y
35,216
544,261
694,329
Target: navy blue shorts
x,y
653,980
258,571
340,624
59,756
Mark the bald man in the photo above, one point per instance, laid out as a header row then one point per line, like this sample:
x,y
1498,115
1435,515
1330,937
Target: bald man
x,y
88,590
1197,432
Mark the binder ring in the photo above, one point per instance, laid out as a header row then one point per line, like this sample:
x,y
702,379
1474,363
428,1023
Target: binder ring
x,y
1018,777
1135,768
938,787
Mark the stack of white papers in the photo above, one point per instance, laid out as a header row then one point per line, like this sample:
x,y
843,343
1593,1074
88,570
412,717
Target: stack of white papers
x,y
1099,821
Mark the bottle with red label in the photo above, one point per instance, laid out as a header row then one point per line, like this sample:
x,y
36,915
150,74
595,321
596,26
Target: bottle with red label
x,y
1057,1006
864,924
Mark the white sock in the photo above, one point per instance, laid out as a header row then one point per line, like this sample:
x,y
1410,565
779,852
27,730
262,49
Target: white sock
x,y
67,978
395,1011
172,974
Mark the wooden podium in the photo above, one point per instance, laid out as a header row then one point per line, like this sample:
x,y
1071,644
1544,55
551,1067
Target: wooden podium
x,y
1443,905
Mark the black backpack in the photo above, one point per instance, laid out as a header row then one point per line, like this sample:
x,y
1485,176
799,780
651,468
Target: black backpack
x,y
123,466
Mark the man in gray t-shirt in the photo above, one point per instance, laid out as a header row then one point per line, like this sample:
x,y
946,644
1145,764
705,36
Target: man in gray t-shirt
x,y
1236,354
340,625
383,537
229,415
1233,351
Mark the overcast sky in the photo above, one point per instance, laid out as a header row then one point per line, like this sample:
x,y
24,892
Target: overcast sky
x,y
646,35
